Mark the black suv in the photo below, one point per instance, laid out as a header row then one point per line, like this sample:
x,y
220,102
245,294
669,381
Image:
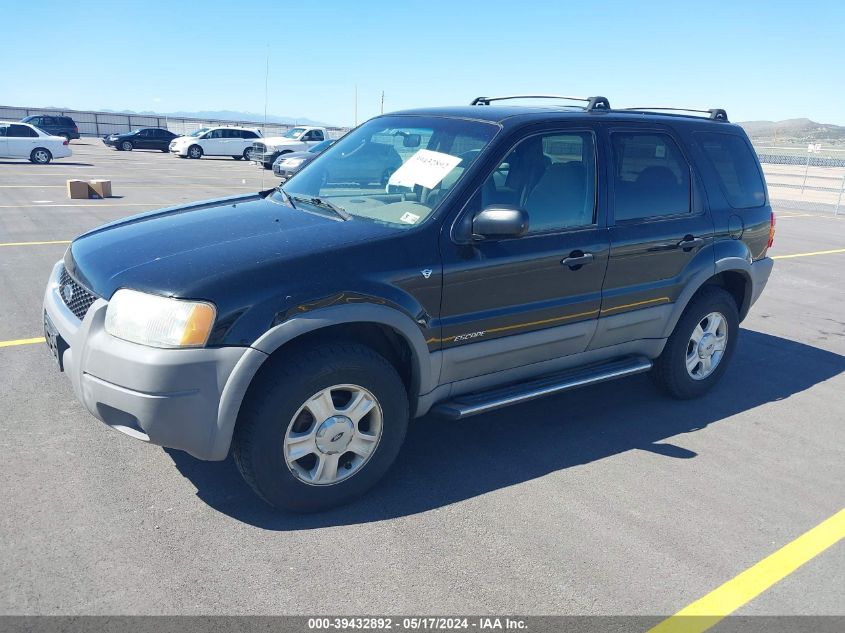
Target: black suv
x,y
54,124
516,252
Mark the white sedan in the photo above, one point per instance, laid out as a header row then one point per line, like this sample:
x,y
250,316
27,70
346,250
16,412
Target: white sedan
x,y
21,140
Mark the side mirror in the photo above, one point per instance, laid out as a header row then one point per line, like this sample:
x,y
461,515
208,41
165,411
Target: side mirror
x,y
499,222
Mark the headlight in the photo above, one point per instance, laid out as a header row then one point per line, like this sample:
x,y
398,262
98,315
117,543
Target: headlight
x,y
157,321
292,162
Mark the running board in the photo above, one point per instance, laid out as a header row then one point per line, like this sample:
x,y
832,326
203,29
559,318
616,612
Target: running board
x,y
484,401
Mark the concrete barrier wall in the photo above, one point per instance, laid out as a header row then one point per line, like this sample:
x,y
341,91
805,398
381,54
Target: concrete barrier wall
x,y
93,123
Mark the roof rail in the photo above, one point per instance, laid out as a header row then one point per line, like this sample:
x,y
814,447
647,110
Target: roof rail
x,y
593,103
716,114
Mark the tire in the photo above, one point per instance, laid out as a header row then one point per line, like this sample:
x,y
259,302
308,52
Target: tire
x,y
165,150
237,157
127,146
249,152
276,409
686,368
195,151
40,156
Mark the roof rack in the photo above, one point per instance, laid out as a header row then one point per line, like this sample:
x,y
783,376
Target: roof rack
x,y
593,103
717,114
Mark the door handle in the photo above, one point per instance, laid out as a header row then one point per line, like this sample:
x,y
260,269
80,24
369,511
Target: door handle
x,y
690,242
577,259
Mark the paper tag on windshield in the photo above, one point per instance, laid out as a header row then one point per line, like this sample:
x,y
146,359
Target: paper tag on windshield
x,y
409,218
426,168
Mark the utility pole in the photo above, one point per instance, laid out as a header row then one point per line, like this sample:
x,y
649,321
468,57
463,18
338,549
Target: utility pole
x,y
382,102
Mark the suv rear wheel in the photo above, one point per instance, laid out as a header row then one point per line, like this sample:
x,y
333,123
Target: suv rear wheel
x,y
701,346
321,426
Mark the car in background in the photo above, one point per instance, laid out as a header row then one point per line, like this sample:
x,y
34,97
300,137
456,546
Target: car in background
x,y
54,125
288,164
222,140
142,138
21,140
366,163
298,139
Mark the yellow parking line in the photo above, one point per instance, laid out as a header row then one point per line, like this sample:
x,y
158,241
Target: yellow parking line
x,y
830,252
22,341
722,601
34,243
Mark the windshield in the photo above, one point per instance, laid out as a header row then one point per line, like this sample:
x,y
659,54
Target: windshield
x,y
293,133
199,132
394,170
319,147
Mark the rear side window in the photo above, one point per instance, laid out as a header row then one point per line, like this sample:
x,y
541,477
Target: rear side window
x,y
21,131
735,167
651,177
249,134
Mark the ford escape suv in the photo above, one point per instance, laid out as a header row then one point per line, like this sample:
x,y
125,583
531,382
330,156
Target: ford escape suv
x,y
515,252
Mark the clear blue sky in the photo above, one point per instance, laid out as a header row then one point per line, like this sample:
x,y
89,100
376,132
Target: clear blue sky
x,y
759,60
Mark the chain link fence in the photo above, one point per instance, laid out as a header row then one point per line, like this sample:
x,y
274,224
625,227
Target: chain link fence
x,y
806,177
99,124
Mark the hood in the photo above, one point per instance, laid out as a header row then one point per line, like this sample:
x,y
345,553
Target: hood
x,y
194,251
302,155
281,140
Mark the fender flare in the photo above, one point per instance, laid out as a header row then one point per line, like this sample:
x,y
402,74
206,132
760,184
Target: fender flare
x,y
424,375
727,264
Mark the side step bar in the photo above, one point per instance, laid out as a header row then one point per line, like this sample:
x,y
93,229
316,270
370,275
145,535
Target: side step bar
x,y
472,404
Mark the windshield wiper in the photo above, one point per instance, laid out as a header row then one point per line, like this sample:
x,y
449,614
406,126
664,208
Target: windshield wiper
x,y
342,213
288,197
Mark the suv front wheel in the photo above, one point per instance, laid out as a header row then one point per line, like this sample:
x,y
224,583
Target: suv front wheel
x,y
321,426
701,346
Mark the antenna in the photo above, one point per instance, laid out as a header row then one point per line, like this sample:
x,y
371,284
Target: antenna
x,y
266,99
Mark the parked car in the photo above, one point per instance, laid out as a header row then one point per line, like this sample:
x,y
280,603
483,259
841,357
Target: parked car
x,y
286,165
298,139
54,125
365,163
517,252
216,141
142,138
21,140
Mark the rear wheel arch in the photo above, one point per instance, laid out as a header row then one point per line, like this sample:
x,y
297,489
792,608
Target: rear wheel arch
x,y
732,273
738,283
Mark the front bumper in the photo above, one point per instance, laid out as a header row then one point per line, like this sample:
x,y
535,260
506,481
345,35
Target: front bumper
x,y
178,150
283,172
171,397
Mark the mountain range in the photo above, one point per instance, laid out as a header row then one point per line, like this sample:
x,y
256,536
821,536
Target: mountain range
x,y
794,131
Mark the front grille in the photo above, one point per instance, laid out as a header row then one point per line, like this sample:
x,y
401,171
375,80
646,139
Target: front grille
x,y
75,296
259,151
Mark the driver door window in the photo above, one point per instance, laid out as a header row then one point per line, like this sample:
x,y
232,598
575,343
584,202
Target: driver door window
x,y
552,177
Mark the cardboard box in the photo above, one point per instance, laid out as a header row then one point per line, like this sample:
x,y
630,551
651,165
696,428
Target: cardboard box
x,y
101,187
77,189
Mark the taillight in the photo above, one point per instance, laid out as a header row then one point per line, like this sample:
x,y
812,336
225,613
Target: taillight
x,y
771,230
64,142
